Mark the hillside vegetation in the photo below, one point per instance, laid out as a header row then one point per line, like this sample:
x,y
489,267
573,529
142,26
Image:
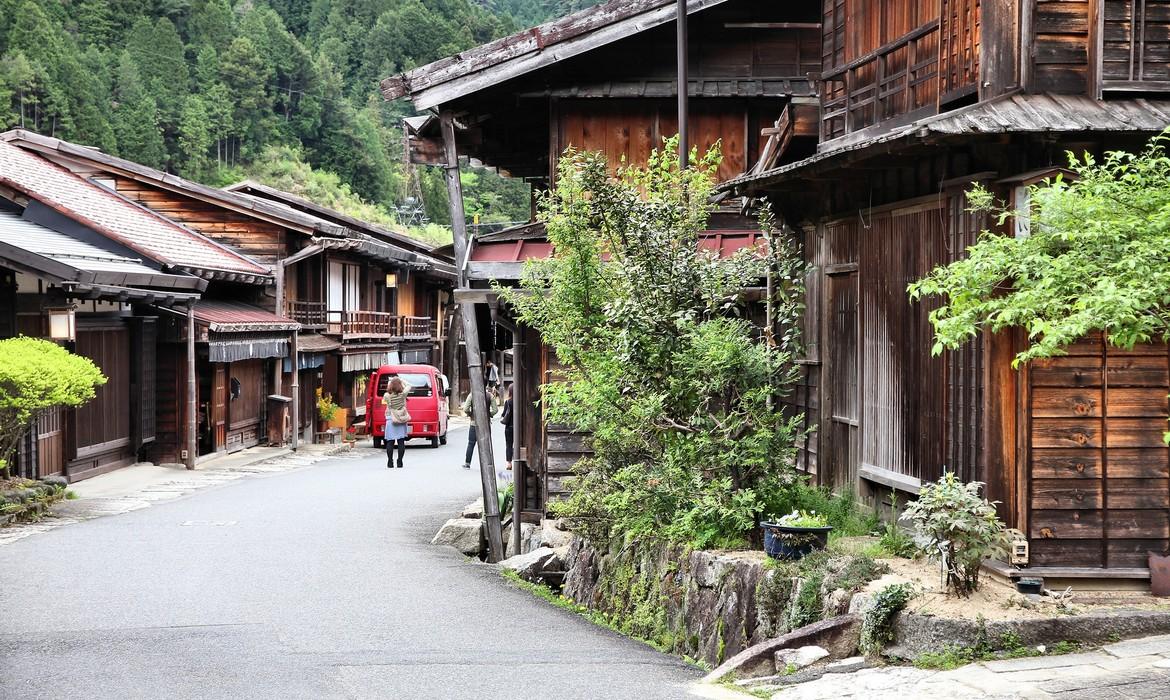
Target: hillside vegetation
x,y
217,90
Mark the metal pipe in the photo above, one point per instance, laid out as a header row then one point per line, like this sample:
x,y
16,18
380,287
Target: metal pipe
x,y
192,404
683,143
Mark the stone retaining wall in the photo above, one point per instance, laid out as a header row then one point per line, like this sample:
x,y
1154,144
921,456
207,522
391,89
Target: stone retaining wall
x,y
701,604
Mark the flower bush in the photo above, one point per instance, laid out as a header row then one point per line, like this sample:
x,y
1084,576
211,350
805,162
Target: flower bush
x,y
326,408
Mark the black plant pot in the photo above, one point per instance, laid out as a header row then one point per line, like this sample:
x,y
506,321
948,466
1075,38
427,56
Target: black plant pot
x,y
792,543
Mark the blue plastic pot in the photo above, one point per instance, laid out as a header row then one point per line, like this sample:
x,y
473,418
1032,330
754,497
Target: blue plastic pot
x,y
792,543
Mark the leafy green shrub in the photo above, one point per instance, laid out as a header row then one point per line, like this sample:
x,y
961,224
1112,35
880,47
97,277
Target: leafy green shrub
x,y
877,626
960,527
840,510
800,518
36,375
663,371
1095,259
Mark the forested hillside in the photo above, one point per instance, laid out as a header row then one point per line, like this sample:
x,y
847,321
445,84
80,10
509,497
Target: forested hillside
x,y
217,90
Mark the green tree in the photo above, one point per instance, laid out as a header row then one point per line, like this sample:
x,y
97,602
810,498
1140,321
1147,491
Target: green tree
x,y
195,138
211,24
135,119
1097,259
162,65
17,88
246,75
36,375
665,374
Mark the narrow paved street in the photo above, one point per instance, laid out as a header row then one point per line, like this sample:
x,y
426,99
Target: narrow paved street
x,y
315,583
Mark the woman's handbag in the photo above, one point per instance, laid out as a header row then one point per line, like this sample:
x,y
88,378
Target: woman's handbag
x,y
400,416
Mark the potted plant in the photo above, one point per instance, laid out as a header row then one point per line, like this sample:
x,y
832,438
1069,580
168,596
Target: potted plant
x,y
326,410
350,436
794,535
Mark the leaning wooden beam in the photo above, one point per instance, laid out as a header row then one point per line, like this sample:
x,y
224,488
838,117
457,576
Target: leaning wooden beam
x,y
479,399
518,484
296,391
192,411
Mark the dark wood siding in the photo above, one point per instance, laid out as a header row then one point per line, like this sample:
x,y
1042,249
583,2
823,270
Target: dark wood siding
x,y
1099,472
1061,46
246,411
893,414
170,393
1135,44
264,241
100,429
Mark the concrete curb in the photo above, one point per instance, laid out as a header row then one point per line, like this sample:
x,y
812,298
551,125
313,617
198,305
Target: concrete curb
x,y
915,635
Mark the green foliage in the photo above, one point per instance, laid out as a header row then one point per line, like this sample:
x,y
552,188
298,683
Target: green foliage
x,y
275,74
284,168
877,623
36,375
961,529
840,510
326,407
672,383
894,540
801,518
793,594
1097,259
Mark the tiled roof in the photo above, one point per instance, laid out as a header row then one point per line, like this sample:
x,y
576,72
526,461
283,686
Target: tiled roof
x,y
531,247
1013,113
151,235
229,316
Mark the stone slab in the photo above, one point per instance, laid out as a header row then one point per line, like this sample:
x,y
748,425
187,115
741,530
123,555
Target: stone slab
x,y
1042,662
1140,647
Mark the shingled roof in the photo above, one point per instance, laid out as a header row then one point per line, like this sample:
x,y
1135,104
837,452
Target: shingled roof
x,y
532,49
135,227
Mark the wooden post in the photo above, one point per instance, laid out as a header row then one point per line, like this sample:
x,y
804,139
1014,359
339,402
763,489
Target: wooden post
x,y
483,423
192,403
296,392
517,437
683,145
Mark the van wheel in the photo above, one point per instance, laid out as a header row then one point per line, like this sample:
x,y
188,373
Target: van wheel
x,y
378,443
435,442
443,439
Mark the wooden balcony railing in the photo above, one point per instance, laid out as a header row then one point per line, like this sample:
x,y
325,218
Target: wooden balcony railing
x,y
415,326
310,314
898,79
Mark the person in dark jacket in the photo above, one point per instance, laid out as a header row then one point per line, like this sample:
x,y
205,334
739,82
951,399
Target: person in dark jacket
x,y
506,419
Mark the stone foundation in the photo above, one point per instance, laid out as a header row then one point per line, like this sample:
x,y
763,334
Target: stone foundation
x,y
701,604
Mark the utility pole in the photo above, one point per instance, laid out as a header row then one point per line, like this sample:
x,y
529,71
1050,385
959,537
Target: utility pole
x,y
683,146
483,423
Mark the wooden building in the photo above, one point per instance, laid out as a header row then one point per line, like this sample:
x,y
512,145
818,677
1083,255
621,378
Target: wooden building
x,y
86,267
917,102
604,80
363,296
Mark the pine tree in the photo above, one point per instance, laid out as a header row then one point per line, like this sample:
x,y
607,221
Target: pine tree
x,y
210,24
246,75
17,88
136,125
194,138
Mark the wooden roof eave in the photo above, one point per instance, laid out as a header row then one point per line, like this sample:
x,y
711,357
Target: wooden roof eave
x,y
165,181
442,81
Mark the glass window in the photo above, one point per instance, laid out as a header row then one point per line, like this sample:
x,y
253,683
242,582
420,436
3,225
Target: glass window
x,y
420,384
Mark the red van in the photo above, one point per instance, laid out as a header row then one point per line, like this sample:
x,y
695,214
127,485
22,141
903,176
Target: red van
x,y
426,402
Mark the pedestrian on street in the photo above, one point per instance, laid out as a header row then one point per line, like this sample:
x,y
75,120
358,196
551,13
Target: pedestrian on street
x,y
491,376
469,411
506,419
397,420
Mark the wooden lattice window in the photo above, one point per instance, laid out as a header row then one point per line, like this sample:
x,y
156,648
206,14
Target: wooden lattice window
x,y
1134,41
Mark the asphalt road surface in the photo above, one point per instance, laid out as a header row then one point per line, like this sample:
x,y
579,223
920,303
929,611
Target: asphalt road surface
x,y
317,583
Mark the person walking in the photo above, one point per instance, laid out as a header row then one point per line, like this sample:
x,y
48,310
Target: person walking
x,y
469,411
491,375
506,419
397,420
